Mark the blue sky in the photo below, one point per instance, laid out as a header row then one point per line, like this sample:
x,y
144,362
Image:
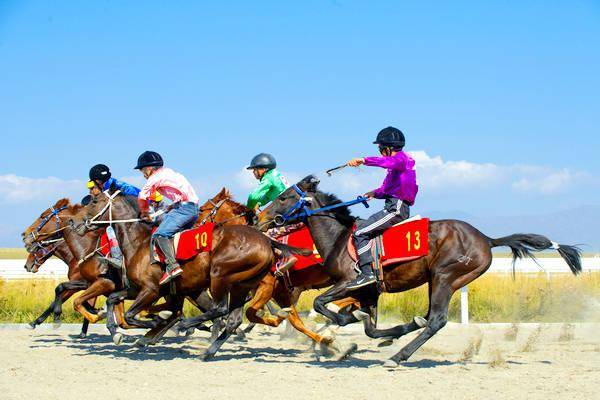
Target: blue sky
x,y
499,100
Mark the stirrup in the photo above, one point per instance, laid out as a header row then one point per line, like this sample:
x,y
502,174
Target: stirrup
x,y
112,262
286,266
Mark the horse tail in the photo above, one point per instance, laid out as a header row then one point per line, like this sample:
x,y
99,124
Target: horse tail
x,y
522,246
288,251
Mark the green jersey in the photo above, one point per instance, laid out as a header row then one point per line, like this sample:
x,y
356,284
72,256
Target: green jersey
x,y
271,185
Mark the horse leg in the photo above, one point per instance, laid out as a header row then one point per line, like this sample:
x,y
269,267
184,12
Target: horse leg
x,y
86,324
234,320
337,292
263,294
62,293
441,293
99,287
111,319
145,298
154,335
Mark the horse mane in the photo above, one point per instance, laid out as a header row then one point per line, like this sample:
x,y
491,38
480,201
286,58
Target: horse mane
x,y
342,214
226,195
131,201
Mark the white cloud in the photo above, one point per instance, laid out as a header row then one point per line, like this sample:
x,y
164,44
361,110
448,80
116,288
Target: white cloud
x,y
18,189
550,183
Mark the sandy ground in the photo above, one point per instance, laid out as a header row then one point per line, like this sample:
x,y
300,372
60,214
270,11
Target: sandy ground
x,y
539,364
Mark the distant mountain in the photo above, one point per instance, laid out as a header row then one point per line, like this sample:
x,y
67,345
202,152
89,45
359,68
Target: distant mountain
x,y
579,225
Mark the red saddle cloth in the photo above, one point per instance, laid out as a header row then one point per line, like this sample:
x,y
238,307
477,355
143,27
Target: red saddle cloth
x,y
189,243
406,241
104,245
302,239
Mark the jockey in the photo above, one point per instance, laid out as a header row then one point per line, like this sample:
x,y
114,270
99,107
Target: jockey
x,y
101,180
271,185
182,214
399,189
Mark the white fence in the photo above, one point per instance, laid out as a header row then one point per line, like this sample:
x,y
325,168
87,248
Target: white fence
x,y
56,269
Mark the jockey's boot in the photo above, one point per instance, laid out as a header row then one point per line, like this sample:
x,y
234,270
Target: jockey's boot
x,y
173,269
366,277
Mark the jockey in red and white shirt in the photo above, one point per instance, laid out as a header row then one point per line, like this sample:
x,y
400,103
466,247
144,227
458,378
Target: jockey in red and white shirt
x,y
182,214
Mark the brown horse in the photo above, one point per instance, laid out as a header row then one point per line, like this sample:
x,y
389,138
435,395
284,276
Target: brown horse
x,y
49,228
240,257
458,254
43,239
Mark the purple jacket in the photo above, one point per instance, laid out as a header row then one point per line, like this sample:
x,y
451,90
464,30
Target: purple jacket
x,y
401,179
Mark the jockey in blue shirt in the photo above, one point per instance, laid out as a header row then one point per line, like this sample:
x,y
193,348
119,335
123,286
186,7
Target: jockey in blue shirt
x,y
101,180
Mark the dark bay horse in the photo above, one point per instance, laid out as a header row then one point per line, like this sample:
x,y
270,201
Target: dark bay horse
x,y
458,254
240,257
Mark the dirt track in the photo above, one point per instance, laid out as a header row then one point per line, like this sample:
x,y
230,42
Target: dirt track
x,y
538,365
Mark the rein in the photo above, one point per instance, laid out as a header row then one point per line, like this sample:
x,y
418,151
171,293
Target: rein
x,y
300,210
214,211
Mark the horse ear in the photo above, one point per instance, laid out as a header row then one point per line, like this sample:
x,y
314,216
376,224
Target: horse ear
x,y
86,200
309,184
62,203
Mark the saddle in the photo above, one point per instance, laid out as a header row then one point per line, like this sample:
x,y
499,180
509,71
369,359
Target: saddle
x,y
301,238
190,242
403,242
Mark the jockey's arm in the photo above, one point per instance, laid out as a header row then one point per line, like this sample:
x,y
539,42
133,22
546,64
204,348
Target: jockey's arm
x,y
259,196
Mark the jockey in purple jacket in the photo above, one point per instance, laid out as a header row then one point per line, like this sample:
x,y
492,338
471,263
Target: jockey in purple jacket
x,y
399,191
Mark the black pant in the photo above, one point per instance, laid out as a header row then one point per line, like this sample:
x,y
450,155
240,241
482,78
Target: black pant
x,y
394,212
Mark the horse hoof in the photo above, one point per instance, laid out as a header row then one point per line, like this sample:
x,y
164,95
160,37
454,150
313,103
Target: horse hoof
x,y
208,357
117,338
348,352
327,340
102,313
56,325
390,364
165,315
386,343
334,308
420,321
360,315
31,325
140,343
284,312
82,335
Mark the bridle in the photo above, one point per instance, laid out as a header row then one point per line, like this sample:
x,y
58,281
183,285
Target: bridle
x,y
44,249
213,212
301,211
53,213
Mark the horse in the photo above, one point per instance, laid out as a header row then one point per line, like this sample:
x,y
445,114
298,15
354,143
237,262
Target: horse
x,y
458,254
239,258
43,239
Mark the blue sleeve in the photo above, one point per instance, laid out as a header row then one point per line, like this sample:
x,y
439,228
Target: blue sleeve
x,y
126,188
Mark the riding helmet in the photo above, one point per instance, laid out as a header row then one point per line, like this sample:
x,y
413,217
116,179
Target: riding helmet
x,y
391,137
149,159
100,172
263,160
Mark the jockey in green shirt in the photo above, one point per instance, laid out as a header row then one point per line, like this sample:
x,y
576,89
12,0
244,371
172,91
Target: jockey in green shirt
x,y
271,185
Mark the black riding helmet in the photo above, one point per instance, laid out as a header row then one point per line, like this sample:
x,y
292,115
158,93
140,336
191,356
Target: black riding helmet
x,y
100,172
149,159
391,137
263,160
